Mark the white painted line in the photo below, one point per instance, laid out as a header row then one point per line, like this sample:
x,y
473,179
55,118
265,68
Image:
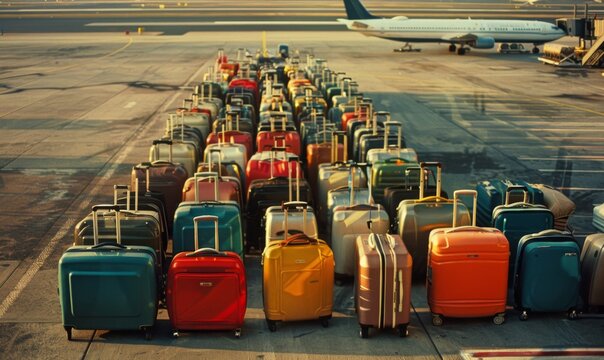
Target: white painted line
x,y
563,158
571,188
573,171
130,105
84,205
266,8
213,23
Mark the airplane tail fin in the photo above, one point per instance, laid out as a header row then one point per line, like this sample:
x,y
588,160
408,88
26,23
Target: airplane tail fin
x,y
356,11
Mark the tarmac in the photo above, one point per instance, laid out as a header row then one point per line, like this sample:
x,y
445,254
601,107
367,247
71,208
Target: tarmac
x,y
77,111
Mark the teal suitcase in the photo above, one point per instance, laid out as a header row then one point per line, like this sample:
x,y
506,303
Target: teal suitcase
x,y
231,237
108,286
547,274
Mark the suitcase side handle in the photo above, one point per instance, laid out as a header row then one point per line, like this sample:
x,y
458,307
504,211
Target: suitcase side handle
x,y
512,188
456,195
95,221
196,221
298,239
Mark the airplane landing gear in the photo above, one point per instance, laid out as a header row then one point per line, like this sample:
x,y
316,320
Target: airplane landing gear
x,y
461,51
407,48
452,48
535,50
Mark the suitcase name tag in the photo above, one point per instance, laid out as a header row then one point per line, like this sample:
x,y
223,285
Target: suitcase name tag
x,y
206,284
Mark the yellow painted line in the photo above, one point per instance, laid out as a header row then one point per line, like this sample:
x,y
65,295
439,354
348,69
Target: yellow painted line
x,y
600,113
130,41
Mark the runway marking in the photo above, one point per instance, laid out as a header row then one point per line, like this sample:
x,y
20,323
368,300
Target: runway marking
x,y
213,23
130,41
130,105
570,157
573,171
84,204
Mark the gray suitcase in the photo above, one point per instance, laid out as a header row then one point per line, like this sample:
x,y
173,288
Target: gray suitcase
x,y
592,272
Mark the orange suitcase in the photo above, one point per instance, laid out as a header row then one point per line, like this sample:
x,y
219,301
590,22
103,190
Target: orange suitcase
x,y
467,270
320,153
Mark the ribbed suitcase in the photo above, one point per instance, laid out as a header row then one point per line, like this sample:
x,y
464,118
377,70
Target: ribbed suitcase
x,y
547,274
491,193
206,288
297,280
592,272
382,283
108,286
467,270
416,218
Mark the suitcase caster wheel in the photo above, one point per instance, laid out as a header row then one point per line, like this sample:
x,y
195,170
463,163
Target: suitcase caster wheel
x,y
524,315
437,320
499,319
68,331
403,331
175,334
325,322
148,334
272,325
237,333
572,315
364,332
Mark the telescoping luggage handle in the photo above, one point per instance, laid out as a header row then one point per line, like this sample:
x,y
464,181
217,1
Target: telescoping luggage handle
x,y
145,166
211,161
158,142
208,175
334,146
278,117
374,124
422,181
290,182
513,188
196,221
95,224
123,187
456,195
399,136
293,205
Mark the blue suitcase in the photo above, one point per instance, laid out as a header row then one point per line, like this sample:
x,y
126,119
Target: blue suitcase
x,y
519,219
547,274
108,286
491,193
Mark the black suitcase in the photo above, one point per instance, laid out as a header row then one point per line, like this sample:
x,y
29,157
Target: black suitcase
x,y
393,195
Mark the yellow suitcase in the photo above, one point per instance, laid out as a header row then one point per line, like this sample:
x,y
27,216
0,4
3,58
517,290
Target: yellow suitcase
x,y
298,276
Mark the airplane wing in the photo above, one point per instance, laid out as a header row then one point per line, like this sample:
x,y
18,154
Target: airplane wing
x,y
460,38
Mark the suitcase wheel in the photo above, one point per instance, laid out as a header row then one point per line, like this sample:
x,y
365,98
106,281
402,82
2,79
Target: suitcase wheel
x,y
572,314
175,334
364,332
402,331
68,331
524,315
148,332
437,320
272,325
237,333
499,319
325,322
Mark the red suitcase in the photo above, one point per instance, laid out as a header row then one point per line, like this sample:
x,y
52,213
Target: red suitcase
x,y
206,289
233,136
362,113
467,270
265,140
269,164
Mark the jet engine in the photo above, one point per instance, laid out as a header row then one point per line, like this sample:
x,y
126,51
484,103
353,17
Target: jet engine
x,y
483,43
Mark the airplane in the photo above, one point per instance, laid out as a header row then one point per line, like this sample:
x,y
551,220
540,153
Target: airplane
x,y
479,34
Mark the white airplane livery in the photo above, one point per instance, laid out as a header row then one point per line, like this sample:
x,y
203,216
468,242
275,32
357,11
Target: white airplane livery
x,y
458,33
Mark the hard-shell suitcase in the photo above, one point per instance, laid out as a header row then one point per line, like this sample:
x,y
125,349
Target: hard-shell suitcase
x,y
388,151
341,196
394,195
212,187
162,177
592,272
108,285
265,140
598,217
391,172
380,138
195,119
519,219
269,164
234,135
491,193
348,222
298,275
560,205
206,288
229,152
320,153
467,270
291,218
231,235
382,283
547,274
173,151
416,218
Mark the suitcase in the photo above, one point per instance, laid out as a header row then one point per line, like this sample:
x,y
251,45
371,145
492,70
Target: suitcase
x,y
416,218
519,219
382,286
233,136
592,272
230,229
598,217
212,187
392,150
268,164
291,218
108,285
265,140
560,205
491,193
547,274
297,281
341,196
172,151
215,164
198,120
391,172
206,288
165,178
467,269
380,138
321,153
229,152
347,223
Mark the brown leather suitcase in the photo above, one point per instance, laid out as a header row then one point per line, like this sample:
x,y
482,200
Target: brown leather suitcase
x,y
382,283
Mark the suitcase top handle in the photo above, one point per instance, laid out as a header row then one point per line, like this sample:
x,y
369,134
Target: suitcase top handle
x,y
95,222
298,239
422,181
389,239
512,188
456,195
196,221
157,143
202,176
